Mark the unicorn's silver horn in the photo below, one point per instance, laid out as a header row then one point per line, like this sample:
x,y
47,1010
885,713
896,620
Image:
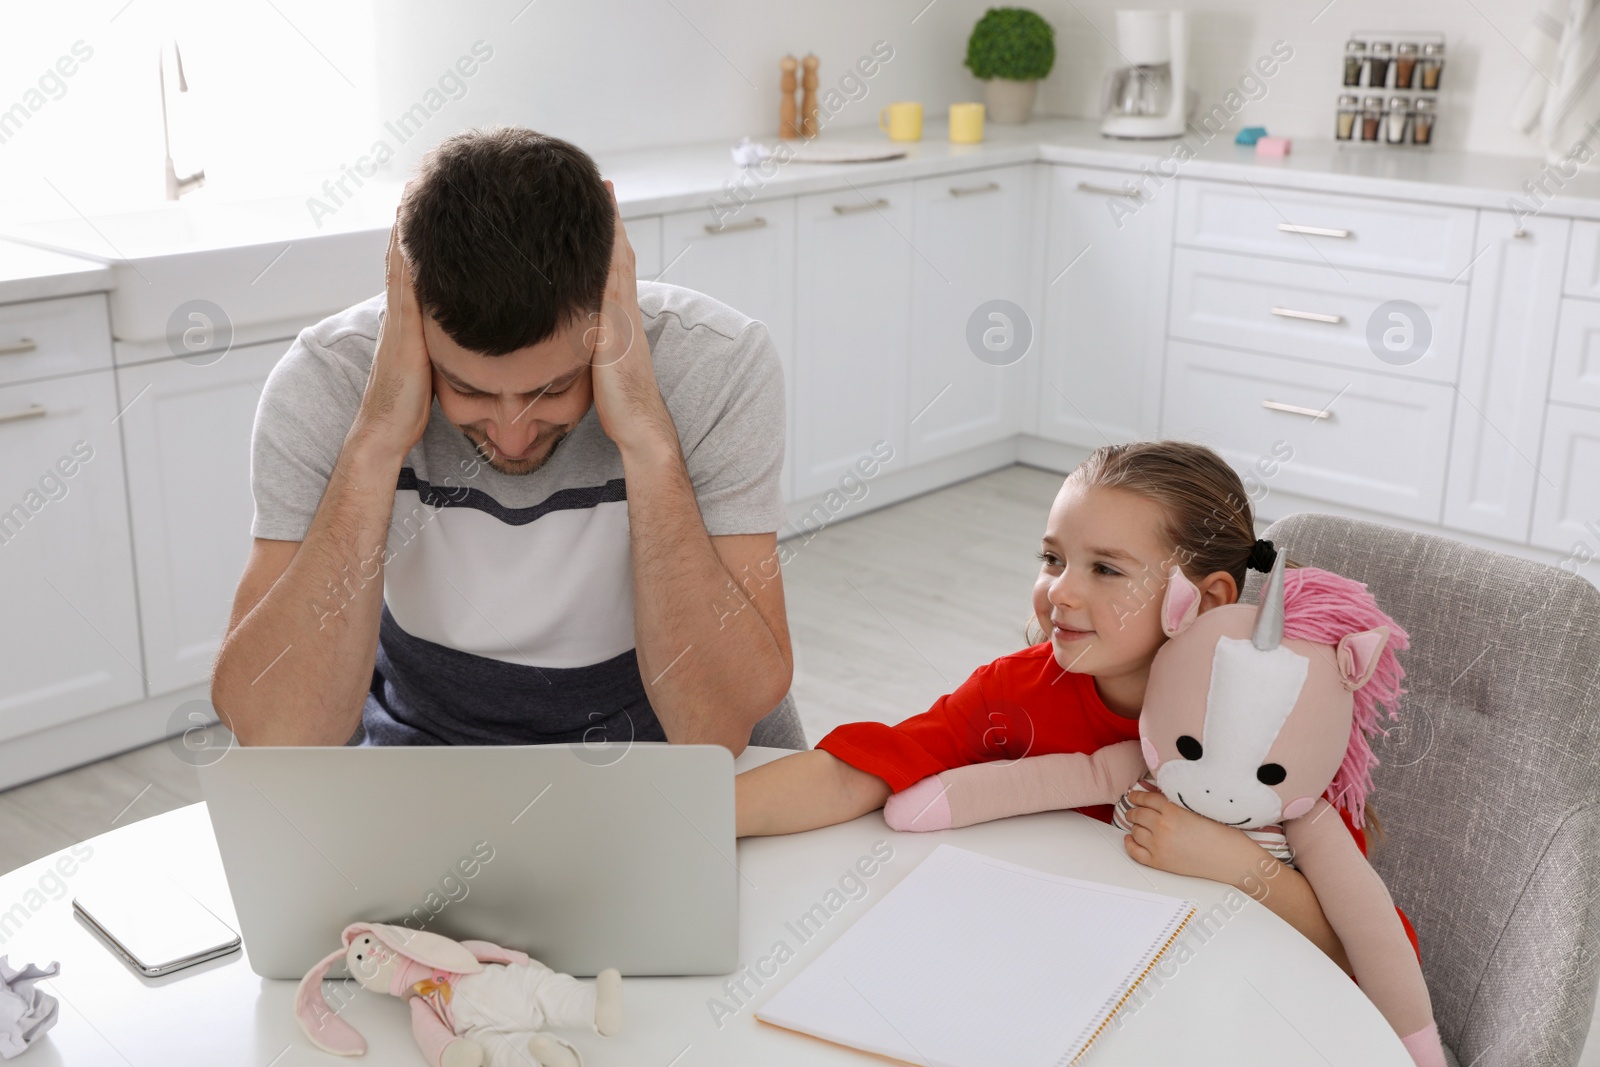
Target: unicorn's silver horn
x,y
1268,633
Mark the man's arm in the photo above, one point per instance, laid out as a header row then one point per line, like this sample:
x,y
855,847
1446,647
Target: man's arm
x,y
709,623
296,663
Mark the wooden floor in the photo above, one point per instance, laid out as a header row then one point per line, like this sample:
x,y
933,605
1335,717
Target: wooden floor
x,y
888,611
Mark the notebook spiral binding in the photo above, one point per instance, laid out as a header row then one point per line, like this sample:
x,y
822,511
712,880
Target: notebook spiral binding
x,y
1068,1059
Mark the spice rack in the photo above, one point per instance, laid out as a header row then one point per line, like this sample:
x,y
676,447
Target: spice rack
x,y
1390,93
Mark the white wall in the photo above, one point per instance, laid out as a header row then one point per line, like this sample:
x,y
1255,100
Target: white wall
x,y
621,73
288,93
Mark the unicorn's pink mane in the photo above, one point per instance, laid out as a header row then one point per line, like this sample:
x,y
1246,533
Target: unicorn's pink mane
x,y
1321,606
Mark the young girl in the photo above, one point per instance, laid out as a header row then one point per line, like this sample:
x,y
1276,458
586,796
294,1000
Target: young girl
x,y
1119,523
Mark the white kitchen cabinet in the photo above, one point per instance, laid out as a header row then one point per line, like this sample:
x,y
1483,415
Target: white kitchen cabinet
x,y
972,243
1310,310
187,430
1369,441
1505,373
852,312
1583,261
71,641
1105,299
49,338
747,262
1575,379
1370,232
1566,510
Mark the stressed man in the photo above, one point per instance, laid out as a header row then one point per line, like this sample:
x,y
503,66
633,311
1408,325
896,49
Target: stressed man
x,y
518,497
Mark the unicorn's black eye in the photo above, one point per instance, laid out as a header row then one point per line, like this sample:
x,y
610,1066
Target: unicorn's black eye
x,y
1189,748
1271,773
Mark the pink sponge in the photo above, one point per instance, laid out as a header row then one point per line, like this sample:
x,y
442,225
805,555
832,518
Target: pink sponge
x,y
1272,146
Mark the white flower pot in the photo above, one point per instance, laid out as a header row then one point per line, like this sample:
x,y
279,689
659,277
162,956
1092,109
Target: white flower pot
x,y
1009,101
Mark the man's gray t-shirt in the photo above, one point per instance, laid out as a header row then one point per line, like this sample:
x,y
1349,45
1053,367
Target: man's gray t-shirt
x,y
508,600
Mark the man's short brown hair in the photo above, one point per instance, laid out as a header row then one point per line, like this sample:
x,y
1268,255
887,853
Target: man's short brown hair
x,y
508,233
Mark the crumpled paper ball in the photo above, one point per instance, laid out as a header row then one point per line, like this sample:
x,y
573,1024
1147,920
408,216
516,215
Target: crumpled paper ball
x,y
748,153
25,1012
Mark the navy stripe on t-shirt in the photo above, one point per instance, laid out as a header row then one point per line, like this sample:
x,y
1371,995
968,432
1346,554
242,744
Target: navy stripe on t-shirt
x,y
461,496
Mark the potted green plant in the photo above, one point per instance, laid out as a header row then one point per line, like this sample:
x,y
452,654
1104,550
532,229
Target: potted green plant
x,y
1011,48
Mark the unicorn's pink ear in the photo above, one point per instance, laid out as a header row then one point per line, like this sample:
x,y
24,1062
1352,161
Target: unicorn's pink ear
x,y
1181,604
325,1029
1358,655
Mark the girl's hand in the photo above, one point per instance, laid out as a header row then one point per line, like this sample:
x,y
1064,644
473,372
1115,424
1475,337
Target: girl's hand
x,y
1170,837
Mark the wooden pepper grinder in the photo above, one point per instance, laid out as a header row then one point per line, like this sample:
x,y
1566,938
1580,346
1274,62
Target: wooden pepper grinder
x,y
786,115
808,101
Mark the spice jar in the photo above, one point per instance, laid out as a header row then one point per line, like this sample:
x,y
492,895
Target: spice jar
x,y
1405,64
1371,117
1422,121
1394,120
1348,107
1431,64
1378,65
1355,57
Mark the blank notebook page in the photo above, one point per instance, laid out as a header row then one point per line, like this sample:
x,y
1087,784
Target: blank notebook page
x,y
972,961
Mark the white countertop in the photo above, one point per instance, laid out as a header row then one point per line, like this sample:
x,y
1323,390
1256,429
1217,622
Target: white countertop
x,y
28,273
669,178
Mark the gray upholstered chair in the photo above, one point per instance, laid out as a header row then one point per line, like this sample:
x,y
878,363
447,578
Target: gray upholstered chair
x,y
1489,788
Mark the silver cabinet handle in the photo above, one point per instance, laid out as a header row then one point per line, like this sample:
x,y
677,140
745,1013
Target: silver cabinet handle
x,y
1314,231
851,209
1109,190
1296,409
1308,316
987,187
749,224
20,345
34,411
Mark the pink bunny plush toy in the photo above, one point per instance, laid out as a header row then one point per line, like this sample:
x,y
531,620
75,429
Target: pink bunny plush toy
x,y
472,1002
1258,718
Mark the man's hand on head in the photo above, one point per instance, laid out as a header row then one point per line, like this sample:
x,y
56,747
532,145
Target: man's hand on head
x,y
626,397
399,394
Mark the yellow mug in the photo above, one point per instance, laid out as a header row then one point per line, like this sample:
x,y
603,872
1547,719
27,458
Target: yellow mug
x,y
905,121
966,123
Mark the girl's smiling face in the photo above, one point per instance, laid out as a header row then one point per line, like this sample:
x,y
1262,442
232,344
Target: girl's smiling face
x,y
1104,562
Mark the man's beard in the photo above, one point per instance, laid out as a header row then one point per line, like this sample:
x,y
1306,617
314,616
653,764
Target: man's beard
x,y
491,455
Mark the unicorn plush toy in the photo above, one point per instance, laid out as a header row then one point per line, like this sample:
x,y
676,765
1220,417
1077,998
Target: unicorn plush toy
x,y
1259,718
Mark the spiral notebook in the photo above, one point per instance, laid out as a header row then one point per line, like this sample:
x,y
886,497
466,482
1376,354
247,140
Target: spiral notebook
x,y
972,961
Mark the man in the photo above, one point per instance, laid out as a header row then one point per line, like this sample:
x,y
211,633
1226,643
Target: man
x,y
517,498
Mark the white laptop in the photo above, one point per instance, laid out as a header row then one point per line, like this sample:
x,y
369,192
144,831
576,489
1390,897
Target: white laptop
x,y
582,856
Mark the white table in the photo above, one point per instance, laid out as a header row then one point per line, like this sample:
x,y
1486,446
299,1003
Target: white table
x,y
1254,992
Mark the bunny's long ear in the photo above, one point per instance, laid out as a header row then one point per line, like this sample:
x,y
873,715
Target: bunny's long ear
x,y
1181,604
325,1029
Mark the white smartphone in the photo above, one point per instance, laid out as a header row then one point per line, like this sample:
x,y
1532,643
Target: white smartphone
x,y
155,925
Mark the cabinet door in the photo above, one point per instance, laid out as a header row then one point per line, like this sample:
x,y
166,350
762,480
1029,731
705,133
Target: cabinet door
x,y
1512,311
187,430
852,312
1105,299
748,264
1566,510
69,646
972,243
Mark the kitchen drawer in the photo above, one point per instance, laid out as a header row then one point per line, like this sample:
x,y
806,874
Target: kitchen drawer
x,y
1401,236
1583,261
1381,446
1308,311
49,338
1575,378
1566,502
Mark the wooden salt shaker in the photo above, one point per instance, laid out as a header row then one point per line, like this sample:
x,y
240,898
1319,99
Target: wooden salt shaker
x,y
787,129
808,101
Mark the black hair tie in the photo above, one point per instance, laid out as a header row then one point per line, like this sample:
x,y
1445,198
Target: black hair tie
x,y
1262,556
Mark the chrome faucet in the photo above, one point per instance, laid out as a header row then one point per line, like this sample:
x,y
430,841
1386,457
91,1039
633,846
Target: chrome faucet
x,y
176,186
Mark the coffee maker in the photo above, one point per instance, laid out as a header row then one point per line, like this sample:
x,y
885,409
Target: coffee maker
x,y
1147,97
